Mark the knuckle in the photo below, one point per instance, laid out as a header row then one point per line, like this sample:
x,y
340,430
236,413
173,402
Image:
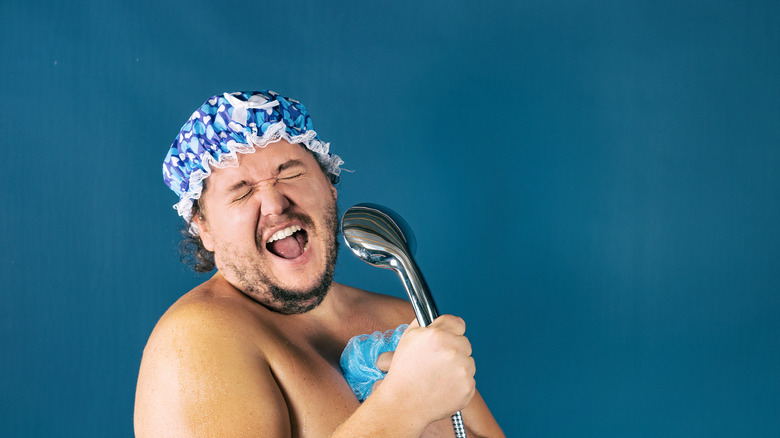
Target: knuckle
x,y
451,356
438,335
467,345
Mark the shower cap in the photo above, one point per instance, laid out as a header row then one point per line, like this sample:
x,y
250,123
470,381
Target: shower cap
x,y
358,361
236,123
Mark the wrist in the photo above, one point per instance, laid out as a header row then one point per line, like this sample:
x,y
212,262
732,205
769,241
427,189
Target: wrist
x,y
395,406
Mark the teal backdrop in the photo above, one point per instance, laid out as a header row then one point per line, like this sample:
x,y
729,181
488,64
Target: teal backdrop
x,y
594,186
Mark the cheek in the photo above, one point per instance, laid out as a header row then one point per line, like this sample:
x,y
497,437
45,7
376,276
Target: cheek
x,y
236,223
315,193
244,222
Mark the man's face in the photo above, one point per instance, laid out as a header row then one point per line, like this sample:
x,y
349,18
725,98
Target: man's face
x,y
271,223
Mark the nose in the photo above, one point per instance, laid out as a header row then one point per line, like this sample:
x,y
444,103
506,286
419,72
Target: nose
x,y
272,201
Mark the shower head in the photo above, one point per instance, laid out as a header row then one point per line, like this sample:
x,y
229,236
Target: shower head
x,y
380,237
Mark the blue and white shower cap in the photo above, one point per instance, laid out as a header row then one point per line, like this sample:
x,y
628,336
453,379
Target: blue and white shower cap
x,y
231,124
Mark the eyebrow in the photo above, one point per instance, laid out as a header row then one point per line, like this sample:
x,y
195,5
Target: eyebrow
x,y
236,186
289,164
282,167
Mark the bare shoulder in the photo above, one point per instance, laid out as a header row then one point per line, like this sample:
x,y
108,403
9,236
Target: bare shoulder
x,y
199,364
203,313
202,319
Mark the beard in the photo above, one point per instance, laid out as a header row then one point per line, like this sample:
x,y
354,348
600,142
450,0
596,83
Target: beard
x,y
291,302
255,281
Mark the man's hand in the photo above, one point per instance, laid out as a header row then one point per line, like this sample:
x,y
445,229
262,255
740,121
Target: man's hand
x,y
432,370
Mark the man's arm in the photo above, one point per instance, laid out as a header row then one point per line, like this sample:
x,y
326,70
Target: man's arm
x,y
477,419
199,378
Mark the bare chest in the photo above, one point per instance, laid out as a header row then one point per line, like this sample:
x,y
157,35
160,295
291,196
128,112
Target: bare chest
x,y
310,379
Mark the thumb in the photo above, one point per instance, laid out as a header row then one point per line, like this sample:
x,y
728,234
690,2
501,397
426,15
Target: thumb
x,y
414,323
384,360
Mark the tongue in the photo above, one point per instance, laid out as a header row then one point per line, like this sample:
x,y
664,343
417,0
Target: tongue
x,y
289,247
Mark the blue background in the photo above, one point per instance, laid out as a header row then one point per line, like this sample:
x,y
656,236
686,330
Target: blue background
x,y
594,186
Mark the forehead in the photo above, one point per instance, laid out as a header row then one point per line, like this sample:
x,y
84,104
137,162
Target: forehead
x,y
262,164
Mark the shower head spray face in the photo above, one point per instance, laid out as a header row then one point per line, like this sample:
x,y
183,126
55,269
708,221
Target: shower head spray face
x,y
377,235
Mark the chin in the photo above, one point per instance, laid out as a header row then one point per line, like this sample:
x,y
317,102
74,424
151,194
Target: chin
x,y
290,301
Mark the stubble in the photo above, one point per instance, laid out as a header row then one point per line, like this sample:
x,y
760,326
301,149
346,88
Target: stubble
x,y
256,282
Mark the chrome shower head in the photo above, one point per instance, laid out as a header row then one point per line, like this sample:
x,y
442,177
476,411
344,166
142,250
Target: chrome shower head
x,y
380,237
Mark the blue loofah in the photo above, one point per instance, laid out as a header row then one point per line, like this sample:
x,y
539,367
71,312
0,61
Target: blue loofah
x,y
358,361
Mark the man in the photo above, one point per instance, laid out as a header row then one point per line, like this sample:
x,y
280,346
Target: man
x,y
254,351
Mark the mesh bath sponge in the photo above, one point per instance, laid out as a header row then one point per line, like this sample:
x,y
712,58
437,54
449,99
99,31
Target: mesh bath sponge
x,y
358,361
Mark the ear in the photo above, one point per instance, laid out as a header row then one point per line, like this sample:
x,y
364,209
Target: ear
x,y
204,232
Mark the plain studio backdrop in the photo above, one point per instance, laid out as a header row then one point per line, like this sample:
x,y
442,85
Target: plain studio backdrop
x,y
594,187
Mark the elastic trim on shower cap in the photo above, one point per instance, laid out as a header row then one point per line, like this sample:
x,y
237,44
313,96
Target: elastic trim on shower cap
x,y
231,124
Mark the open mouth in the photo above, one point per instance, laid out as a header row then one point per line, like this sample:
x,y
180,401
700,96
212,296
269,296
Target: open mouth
x,y
289,243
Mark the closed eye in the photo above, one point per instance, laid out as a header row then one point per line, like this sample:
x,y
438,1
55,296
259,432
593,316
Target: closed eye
x,y
290,177
245,195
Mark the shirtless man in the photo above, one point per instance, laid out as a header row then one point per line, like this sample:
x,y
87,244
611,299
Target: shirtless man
x,y
254,351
